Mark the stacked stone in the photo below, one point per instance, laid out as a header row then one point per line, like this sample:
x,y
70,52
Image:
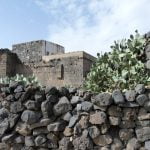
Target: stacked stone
x,y
71,119
147,51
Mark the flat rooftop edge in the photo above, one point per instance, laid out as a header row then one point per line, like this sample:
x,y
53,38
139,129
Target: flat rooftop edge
x,y
80,54
34,41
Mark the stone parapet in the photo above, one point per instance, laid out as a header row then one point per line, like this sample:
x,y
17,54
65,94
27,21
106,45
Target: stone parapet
x,y
79,54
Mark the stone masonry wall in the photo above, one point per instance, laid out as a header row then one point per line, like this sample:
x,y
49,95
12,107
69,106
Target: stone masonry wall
x,y
147,51
71,119
59,70
68,69
52,48
33,51
3,62
12,62
8,63
30,51
87,64
73,67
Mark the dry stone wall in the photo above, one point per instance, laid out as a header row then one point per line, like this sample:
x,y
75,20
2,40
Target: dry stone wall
x,y
71,119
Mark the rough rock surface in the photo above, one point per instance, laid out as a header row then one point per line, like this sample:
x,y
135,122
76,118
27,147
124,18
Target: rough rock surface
x,y
72,119
118,97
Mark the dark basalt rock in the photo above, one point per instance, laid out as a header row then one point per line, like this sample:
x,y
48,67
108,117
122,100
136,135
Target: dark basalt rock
x,y
64,92
130,95
140,88
30,117
57,126
102,99
62,106
51,91
19,89
51,118
47,109
118,97
141,99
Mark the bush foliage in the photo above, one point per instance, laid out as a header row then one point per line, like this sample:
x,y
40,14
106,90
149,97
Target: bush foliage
x,y
122,68
21,78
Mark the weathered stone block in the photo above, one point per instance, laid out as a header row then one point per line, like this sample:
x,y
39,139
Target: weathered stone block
x,y
98,118
103,140
140,88
73,121
114,121
130,95
147,51
129,114
62,106
126,134
147,106
141,99
29,141
133,144
30,117
82,143
116,145
40,140
102,99
118,97
147,144
143,134
93,132
115,111
86,106
57,126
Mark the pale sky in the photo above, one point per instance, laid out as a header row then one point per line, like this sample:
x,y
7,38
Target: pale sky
x,y
89,25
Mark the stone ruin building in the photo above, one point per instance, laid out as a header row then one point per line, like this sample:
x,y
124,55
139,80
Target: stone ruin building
x,y
47,61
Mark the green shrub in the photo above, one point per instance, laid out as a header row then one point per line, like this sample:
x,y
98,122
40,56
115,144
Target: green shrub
x,y
122,68
21,78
